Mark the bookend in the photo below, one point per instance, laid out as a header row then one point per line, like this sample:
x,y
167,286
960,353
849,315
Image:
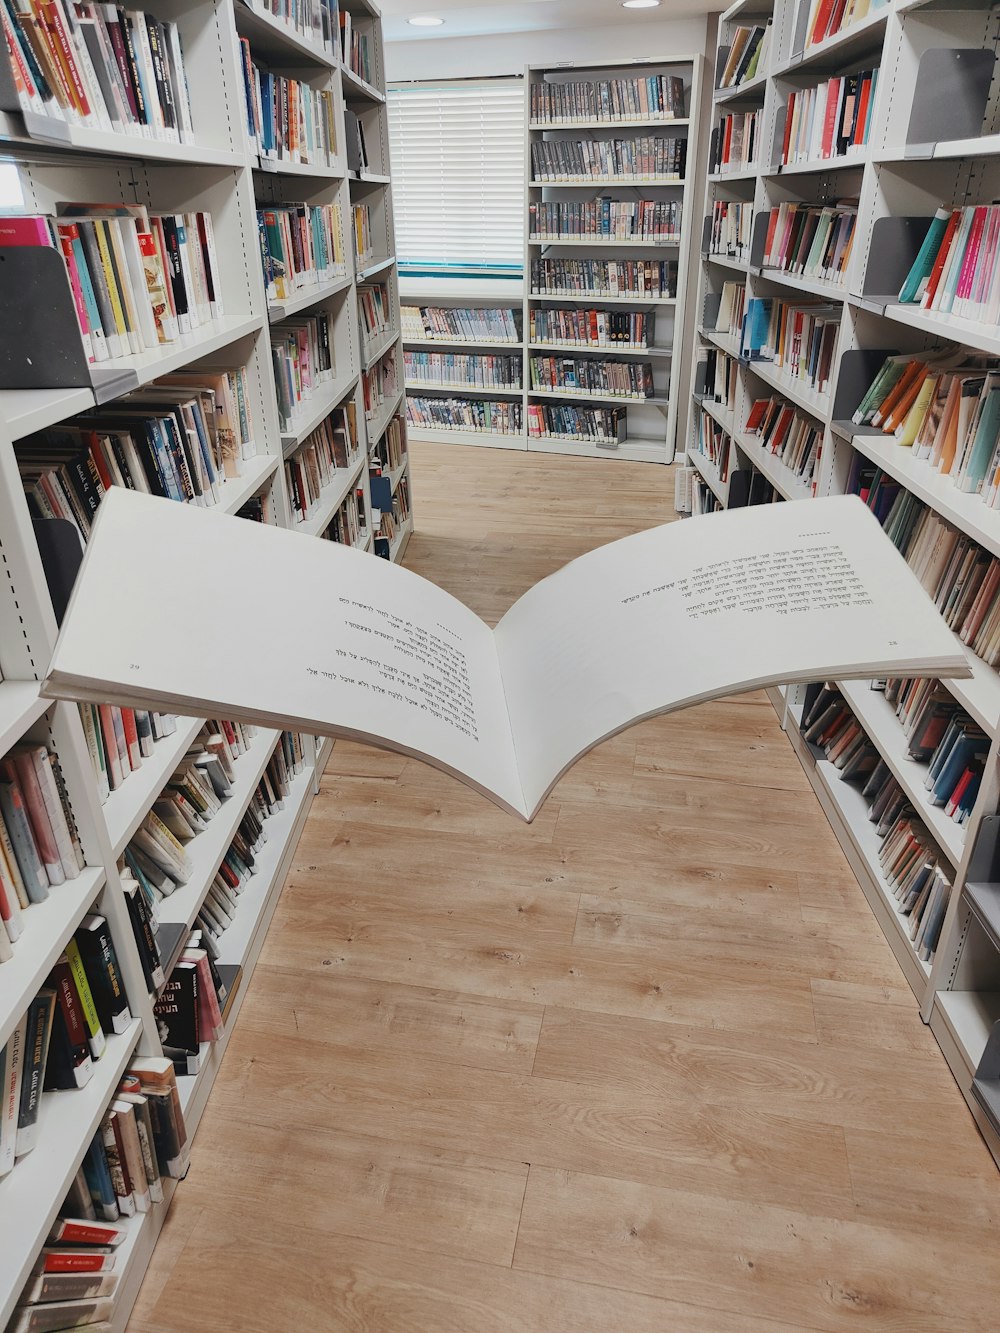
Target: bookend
x,y
950,95
895,244
40,342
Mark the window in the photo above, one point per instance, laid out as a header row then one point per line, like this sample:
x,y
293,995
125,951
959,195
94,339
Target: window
x,y
458,176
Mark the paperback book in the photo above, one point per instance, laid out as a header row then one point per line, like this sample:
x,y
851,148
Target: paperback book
x,y
653,622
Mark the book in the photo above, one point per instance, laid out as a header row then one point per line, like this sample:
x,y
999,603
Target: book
x,y
12,1060
58,1315
581,656
36,1048
93,938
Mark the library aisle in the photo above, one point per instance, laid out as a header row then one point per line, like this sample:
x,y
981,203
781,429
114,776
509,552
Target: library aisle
x,y
639,1065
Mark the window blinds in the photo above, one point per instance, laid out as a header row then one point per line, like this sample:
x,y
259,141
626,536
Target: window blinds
x,y
458,174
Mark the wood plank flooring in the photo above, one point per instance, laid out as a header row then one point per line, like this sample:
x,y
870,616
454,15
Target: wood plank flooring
x,y
645,1064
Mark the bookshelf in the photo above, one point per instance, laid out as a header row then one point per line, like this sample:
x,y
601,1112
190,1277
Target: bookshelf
x,y
931,141
228,172
649,319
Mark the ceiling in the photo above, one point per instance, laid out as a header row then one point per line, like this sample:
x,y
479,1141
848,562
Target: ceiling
x,y
469,18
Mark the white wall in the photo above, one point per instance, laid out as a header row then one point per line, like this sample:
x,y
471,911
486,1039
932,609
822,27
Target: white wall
x,y
509,52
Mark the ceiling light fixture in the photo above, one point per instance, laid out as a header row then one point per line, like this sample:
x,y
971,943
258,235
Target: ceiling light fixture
x,y
428,20
640,4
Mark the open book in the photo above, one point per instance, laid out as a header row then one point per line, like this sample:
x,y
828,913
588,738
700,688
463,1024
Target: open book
x,y
191,611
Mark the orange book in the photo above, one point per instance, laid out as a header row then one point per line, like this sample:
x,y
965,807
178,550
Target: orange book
x,y
900,409
888,404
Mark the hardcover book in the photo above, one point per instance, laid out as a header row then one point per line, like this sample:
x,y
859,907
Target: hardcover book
x,y
653,622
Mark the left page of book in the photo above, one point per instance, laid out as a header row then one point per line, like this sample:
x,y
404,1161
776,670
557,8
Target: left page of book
x,y
217,616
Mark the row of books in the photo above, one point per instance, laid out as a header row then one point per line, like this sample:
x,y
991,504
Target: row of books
x,y
593,328
189,1009
916,875
619,379
463,369
730,229
39,844
302,360
430,323
712,442
603,426
300,246
962,579
392,520
732,308
389,452
138,279
349,526
606,219
119,739
946,410
482,415
798,338
101,67
940,734
315,20
810,240
380,384
555,160
654,280
364,245
788,434
747,55
355,46
181,438
831,119
735,141
957,269
826,18
703,500
316,464
652,97
287,120
720,377
375,312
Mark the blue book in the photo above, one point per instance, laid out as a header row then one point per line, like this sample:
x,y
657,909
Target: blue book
x,y
916,280
98,1177
969,748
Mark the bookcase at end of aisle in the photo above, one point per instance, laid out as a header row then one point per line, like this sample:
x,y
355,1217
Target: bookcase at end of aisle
x,y
46,381
929,140
647,179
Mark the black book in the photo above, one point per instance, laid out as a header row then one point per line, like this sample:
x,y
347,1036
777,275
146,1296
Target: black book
x,y
97,950
177,286
149,957
36,1048
176,1013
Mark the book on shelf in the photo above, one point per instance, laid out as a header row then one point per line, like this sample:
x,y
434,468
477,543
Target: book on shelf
x,y
315,20
390,452
94,1313
357,149
380,384
300,246
460,370
355,46
317,464
735,142
713,442
100,67
654,220
829,120
720,376
962,578
484,416
556,160
506,710
349,526
789,434
139,280
605,427
37,1032
798,338
731,228
460,323
747,55
631,329
810,240
364,245
827,18
945,409
957,269
287,119
302,359
651,97
374,312
615,379
643,280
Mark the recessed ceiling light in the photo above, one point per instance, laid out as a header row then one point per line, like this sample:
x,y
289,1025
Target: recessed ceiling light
x,y
640,4
428,21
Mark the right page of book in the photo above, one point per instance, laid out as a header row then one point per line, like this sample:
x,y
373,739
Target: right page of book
x,y
706,607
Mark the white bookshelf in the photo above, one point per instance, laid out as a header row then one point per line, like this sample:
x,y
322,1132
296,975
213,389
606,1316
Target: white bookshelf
x,y
650,423
922,153
220,172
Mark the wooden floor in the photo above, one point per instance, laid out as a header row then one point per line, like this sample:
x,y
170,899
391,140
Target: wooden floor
x,y
646,1064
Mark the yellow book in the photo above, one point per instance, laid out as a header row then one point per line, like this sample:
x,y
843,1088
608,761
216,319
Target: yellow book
x,y
909,427
104,249
95,1033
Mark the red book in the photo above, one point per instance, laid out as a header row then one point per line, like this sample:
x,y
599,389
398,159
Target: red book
x,y
864,96
25,231
821,22
942,258
20,770
789,109
131,738
75,1261
830,118
72,1231
958,792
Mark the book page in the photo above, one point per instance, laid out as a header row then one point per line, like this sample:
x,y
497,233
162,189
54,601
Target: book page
x,y
710,606
210,615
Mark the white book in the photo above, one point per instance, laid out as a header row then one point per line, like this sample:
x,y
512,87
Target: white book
x,y
639,627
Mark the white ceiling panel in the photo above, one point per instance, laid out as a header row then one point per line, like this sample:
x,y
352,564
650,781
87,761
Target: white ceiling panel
x,y
473,18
